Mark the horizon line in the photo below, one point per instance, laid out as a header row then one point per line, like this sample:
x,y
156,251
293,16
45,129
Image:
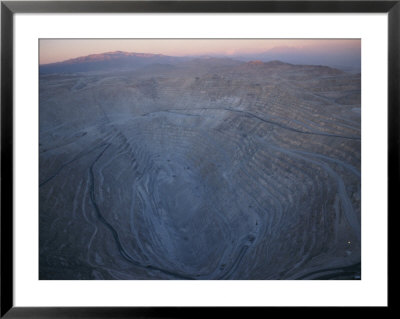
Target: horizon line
x,y
55,51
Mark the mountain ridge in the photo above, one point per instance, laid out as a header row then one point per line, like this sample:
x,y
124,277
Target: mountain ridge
x,y
122,60
105,56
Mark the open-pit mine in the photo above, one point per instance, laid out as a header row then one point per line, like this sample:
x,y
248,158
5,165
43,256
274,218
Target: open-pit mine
x,y
204,168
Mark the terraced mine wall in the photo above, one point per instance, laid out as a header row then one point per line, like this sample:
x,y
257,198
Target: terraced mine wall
x,y
241,172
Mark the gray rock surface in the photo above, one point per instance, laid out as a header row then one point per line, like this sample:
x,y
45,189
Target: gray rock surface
x,y
200,171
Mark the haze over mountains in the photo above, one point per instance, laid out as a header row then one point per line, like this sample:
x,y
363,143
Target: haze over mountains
x,y
162,167
347,60
132,60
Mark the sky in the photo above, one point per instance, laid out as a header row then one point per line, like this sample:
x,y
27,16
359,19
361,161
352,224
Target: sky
x,y
345,51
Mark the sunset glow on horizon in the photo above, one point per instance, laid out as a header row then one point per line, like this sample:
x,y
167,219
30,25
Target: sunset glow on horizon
x,y
57,50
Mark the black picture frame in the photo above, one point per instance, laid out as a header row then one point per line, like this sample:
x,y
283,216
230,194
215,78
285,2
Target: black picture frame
x,y
9,8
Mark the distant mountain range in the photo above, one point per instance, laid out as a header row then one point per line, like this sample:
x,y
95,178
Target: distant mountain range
x,y
127,61
109,60
349,61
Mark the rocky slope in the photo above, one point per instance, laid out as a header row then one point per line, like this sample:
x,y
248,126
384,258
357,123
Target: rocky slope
x,y
201,171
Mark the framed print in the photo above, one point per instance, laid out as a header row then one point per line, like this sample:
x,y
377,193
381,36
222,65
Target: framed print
x,y
164,157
